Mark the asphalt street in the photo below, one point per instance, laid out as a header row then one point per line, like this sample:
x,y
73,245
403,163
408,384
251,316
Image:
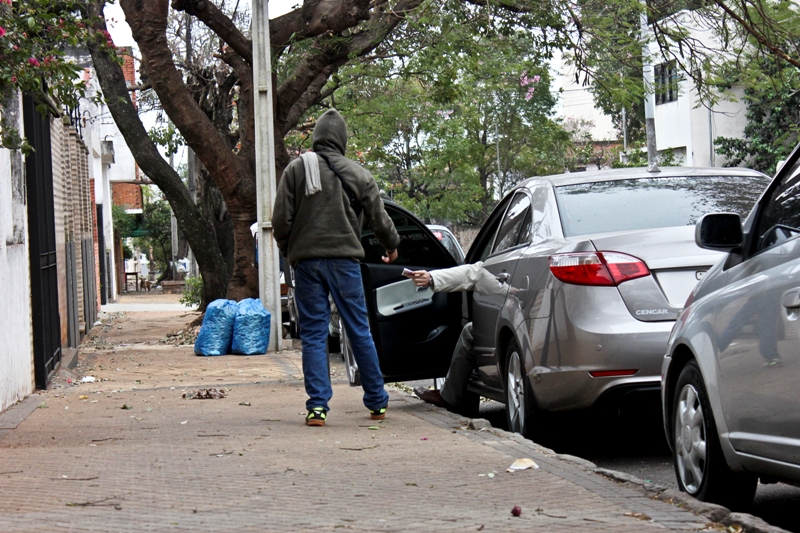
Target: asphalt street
x,y
634,443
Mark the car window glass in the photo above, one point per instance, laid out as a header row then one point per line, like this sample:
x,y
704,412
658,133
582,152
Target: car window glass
x,y
540,230
417,247
482,245
525,230
779,219
661,202
449,242
515,216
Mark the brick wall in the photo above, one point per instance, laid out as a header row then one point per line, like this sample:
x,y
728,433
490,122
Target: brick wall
x,y
73,193
127,195
128,69
63,219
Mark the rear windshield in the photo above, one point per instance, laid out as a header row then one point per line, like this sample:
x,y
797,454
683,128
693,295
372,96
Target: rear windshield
x,y
623,205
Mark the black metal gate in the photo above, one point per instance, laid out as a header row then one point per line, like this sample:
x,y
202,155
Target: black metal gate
x,y
101,246
89,284
42,240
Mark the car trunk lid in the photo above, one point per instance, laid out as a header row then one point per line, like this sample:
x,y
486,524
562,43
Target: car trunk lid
x,y
675,262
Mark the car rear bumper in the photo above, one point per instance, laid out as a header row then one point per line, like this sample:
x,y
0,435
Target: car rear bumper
x,y
591,335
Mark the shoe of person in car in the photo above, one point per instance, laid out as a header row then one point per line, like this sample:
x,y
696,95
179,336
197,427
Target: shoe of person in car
x,y
432,396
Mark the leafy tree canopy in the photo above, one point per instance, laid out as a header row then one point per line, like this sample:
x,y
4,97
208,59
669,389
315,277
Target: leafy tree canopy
x,y
451,112
36,37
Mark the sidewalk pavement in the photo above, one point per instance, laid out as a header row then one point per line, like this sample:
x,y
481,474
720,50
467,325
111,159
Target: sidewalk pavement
x,y
129,453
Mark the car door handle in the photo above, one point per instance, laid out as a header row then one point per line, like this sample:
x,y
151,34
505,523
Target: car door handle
x,y
791,298
502,277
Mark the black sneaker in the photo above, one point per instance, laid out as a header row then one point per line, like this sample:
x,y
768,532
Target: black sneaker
x,y
377,414
316,417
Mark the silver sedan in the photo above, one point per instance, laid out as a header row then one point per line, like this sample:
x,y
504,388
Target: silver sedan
x,y
730,393
600,264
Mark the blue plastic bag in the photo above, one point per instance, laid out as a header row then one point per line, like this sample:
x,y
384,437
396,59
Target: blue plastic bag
x,y
217,329
251,328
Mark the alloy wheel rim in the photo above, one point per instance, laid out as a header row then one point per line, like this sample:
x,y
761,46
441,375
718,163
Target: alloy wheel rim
x,y
690,439
516,394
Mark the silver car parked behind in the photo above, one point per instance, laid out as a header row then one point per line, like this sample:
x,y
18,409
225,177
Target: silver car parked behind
x,y
599,264
730,377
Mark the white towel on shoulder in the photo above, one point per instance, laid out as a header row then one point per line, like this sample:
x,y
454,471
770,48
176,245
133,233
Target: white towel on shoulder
x,y
311,167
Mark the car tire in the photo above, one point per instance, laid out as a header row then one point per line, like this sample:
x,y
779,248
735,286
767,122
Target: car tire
x,y
700,465
520,404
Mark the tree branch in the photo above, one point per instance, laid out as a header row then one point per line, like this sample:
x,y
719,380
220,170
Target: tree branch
x,y
219,23
148,22
195,226
316,17
759,36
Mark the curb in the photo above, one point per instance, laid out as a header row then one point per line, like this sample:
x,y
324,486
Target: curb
x,y
715,513
710,511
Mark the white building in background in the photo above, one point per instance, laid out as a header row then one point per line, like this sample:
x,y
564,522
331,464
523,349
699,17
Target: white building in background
x,y
683,122
111,162
576,104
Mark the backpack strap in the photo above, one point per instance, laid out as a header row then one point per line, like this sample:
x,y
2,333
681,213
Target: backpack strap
x,y
355,205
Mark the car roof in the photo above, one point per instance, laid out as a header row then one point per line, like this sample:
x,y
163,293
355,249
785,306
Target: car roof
x,y
613,174
438,227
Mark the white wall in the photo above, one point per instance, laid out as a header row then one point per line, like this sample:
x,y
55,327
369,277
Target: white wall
x,y
687,125
673,126
100,127
577,102
16,334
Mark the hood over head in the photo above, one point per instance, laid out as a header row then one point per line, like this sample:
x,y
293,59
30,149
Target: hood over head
x,y
330,133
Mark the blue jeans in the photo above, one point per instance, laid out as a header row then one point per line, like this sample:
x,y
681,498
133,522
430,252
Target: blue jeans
x,y
314,279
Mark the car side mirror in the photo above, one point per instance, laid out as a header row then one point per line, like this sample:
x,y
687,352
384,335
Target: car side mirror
x,y
719,231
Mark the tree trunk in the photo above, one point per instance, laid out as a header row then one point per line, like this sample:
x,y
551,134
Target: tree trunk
x,y
233,174
197,229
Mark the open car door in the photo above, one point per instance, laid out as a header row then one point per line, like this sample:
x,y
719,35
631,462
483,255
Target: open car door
x,y
415,330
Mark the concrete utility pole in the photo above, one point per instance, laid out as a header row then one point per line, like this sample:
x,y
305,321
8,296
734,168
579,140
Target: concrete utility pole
x,y
268,262
649,98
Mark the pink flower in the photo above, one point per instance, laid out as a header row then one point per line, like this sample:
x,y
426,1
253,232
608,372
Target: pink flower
x,y
34,62
2,31
13,79
536,79
530,92
5,2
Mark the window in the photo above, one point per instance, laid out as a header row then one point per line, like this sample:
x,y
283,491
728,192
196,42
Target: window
x,y
417,248
644,203
666,83
514,219
779,219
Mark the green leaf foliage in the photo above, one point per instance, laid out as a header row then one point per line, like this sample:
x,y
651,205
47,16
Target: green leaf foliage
x,y
35,39
433,108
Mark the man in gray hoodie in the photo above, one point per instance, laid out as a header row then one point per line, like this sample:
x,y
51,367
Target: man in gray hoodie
x,y
321,200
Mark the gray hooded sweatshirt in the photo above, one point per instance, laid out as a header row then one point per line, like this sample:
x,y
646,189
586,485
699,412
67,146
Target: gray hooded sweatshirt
x,y
323,225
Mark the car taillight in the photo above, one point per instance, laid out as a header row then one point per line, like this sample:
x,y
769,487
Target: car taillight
x,y
597,268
